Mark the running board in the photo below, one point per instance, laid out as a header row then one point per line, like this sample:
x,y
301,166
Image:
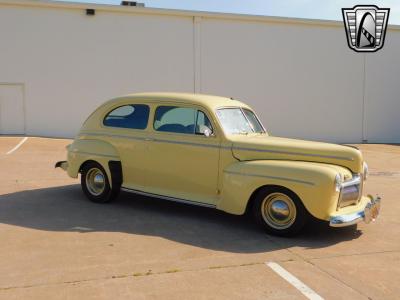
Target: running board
x,y
168,198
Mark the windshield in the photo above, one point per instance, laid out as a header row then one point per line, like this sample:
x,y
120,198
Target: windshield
x,y
239,121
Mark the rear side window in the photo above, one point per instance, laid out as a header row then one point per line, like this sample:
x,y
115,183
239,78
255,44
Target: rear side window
x,y
134,116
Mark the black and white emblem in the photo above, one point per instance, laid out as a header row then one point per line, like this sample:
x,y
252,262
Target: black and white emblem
x,y
365,27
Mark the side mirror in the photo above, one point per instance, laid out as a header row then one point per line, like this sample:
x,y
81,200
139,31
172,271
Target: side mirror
x,y
207,132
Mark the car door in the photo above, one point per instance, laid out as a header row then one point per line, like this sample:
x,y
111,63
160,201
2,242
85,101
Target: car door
x,y
183,154
126,126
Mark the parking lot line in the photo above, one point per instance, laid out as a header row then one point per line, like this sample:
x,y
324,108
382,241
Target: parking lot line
x,y
18,145
305,290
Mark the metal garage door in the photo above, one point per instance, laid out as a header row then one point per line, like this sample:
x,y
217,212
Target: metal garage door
x,y
12,109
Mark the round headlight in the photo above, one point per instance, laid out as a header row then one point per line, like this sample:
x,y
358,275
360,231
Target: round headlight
x,y
338,182
365,170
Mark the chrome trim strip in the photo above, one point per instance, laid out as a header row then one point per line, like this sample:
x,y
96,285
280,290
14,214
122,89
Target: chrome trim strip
x,y
292,153
271,177
351,146
258,119
168,198
114,135
97,154
186,143
216,146
155,140
247,119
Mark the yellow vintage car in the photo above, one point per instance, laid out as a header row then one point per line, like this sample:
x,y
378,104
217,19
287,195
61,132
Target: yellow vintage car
x,y
213,151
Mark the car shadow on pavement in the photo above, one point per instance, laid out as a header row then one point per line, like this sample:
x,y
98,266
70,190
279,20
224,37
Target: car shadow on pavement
x,y
65,208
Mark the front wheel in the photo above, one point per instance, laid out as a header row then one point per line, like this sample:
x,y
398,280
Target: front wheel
x,y
279,211
96,185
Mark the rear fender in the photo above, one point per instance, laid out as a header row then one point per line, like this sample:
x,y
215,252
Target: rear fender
x,y
81,151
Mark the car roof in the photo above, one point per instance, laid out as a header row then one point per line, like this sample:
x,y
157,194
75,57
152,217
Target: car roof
x,y
209,101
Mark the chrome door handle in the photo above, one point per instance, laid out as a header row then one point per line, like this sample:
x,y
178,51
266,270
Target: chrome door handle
x,y
148,139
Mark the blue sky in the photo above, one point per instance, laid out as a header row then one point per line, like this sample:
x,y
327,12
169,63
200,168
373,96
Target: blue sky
x,y
313,9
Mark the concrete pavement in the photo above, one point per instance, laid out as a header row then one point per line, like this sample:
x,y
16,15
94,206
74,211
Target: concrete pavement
x,y
56,244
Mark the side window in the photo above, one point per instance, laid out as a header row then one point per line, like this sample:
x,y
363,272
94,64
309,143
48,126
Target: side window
x,y
175,119
203,123
134,116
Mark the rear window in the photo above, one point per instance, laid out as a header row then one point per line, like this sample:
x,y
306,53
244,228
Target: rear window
x,y
134,116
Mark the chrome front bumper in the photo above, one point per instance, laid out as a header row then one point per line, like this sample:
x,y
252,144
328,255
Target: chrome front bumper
x,y
368,214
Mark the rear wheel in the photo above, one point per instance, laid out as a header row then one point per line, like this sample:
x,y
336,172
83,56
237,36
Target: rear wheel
x,y
279,211
96,185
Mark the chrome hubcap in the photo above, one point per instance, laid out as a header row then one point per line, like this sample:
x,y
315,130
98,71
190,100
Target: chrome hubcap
x,y
95,181
278,210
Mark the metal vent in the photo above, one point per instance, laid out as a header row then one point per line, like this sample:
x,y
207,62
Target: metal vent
x,y
90,12
132,3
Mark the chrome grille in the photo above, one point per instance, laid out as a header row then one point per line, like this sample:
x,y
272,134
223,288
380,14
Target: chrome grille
x,y
351,191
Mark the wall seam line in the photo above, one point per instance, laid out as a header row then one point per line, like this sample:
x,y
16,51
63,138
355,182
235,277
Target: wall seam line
x,y
363,138
197,53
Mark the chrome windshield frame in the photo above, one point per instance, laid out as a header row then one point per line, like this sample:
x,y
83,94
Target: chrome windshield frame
x,y
264,131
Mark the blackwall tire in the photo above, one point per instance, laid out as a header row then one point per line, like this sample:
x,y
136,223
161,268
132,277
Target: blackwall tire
x,y
96,184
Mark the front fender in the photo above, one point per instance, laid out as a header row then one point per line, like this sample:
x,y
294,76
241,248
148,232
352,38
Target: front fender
x,y
312,182
82,150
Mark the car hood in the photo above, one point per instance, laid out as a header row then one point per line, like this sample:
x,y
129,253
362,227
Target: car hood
x,y
255,147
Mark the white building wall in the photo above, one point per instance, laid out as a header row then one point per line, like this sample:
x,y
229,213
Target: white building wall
x,y
299,75
382,92
301,79
70,63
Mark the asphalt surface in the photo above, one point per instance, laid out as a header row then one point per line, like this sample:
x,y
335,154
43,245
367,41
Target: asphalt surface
x,y
55,244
